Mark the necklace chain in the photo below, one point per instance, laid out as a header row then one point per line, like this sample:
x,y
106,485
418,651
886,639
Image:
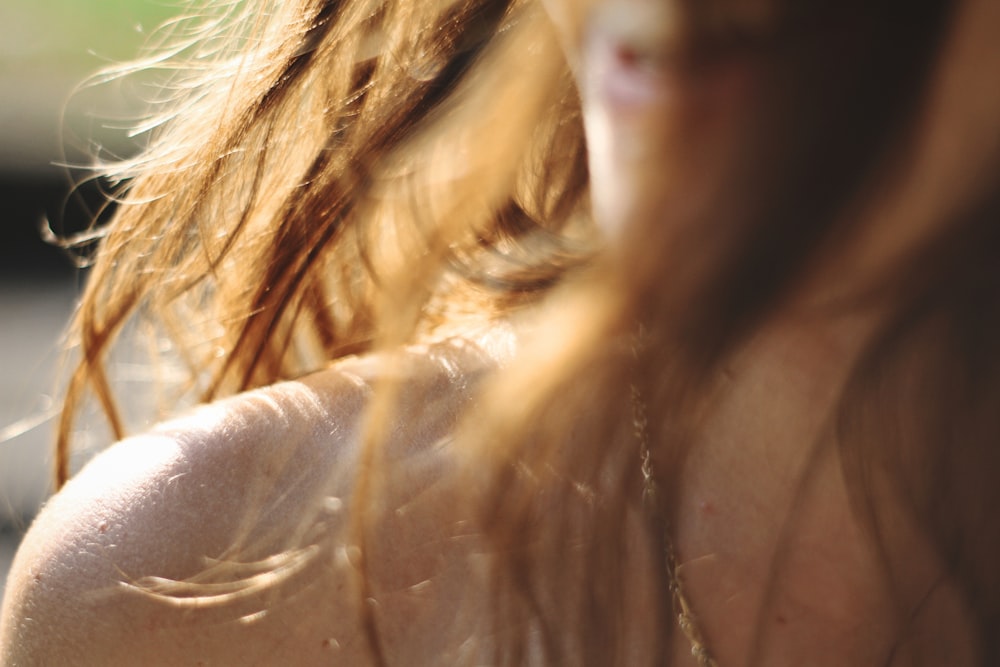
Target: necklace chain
x,y
685,615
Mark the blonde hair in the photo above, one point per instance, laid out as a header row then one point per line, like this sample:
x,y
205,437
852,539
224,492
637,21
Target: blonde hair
x,y
307,151
269,229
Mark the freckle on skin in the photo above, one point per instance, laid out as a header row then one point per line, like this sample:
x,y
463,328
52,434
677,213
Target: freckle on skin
x,y
706,507
781,619
103,528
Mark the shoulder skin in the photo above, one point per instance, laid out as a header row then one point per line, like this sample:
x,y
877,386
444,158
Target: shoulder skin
x,y
222,537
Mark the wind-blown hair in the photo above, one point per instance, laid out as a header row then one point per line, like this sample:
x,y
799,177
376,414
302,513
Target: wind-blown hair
x,y
338,176
307,153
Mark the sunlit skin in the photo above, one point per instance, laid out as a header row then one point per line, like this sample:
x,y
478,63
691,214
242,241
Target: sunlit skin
x,y
227,483
671,101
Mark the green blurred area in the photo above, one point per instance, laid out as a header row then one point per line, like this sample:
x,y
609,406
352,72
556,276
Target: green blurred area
x,y
77,34
47,48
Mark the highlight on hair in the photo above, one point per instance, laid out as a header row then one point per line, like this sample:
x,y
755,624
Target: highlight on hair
x,y
838,162
306,152
335,177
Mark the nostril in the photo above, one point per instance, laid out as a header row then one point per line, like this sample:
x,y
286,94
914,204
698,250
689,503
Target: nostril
x,y
624,73
634,57
626,55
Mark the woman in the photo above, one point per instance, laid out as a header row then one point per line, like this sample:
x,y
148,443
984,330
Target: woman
x,y
749,419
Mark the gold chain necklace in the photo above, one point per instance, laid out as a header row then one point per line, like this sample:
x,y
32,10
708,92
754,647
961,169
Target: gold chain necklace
x,y
685,615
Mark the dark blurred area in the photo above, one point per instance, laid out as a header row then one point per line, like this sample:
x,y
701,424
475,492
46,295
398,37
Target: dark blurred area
x,y
33,205
49,118
51,115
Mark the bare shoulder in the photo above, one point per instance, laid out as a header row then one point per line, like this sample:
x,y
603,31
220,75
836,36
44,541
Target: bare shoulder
x,y
222,537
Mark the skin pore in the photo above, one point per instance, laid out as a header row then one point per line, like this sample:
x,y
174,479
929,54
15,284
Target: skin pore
x,y
212,505
775,557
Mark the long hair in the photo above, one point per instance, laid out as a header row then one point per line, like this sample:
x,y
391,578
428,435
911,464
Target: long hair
x,y
318,147
900,155
305,154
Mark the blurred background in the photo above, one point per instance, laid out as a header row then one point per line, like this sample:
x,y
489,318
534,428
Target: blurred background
x,y
47,120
